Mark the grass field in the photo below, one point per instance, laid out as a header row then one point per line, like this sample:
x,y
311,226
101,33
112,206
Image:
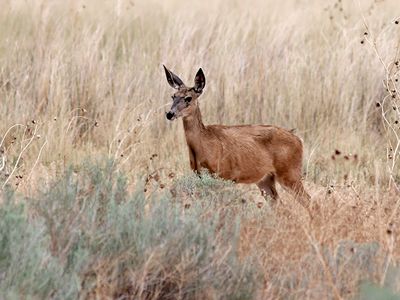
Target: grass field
x,y
97,197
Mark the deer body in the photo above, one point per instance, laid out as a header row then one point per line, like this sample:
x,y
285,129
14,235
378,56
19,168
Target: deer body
x,y
260,154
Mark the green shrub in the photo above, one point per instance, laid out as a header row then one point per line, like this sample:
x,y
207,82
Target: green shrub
x,y
86,236
373,292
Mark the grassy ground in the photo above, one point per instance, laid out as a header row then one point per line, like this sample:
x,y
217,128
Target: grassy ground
x,y
82,81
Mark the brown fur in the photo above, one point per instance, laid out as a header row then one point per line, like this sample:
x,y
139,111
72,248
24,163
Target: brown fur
x,y
260,154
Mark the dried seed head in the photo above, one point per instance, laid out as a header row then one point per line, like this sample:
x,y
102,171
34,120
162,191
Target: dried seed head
x,y
362,42
396,22
346,157
337,152
156,177
389,231
377,104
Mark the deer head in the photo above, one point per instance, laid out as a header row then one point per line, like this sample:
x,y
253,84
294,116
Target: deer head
x,y
185,98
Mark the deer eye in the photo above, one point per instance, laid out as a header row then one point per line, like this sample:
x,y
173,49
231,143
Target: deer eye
x,y
188,99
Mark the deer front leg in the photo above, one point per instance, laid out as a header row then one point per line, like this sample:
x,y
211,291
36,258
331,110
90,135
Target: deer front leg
x,y
193,163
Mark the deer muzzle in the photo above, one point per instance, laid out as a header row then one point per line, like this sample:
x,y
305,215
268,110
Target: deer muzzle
x,y
170,115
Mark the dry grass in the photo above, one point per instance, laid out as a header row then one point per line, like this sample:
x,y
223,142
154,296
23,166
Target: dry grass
x,y
84,81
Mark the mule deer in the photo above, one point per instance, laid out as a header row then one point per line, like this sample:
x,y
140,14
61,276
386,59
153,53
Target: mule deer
x,y
260,154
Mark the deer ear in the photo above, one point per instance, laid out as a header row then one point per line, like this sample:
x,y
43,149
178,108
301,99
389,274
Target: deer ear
x,y
172,79
199,81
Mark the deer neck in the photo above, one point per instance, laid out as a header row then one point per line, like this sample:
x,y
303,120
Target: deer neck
x,y
194,128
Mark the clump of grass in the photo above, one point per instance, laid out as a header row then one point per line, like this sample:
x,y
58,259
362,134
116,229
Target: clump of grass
x,y
205,185
347,266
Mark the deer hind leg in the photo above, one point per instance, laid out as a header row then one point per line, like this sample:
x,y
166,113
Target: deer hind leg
x,y
294,184
267,187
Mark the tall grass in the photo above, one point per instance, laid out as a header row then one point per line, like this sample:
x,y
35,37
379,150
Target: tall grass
x,y
90,75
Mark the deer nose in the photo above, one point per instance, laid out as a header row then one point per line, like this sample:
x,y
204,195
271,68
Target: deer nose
x,y
169,115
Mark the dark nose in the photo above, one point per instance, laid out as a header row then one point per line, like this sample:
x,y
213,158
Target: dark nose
x,y
169,115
